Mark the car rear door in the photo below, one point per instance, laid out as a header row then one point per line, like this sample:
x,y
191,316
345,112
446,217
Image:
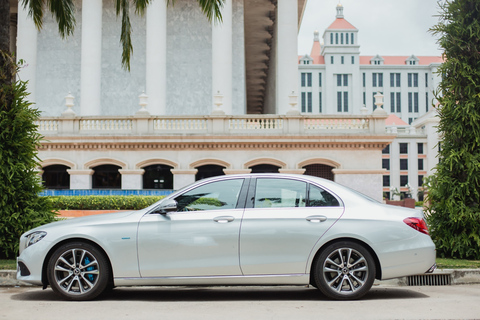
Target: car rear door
x,y
283,220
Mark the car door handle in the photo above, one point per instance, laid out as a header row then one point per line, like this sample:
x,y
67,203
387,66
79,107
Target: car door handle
x,y
223,219
316,219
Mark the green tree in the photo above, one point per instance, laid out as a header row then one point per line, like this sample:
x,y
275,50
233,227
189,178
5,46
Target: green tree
x,y
21,207
454,190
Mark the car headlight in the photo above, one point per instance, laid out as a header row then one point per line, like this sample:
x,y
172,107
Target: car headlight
x,y
34,237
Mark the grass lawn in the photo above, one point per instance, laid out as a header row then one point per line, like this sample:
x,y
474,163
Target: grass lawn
x,y
441,263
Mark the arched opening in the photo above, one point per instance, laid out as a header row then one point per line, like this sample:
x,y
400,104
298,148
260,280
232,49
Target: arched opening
x,y
264,168
209,170
106,177
158,176
319,170
56,177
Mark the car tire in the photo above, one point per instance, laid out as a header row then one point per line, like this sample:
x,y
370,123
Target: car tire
x,y
78,271
344,270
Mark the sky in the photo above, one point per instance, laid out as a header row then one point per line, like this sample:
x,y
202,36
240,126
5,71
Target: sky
x,y
386,27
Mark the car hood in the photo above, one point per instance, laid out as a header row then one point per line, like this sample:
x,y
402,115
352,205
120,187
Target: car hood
x,y
84,221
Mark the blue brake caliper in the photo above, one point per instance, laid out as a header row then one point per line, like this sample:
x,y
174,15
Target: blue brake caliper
x,y
89,276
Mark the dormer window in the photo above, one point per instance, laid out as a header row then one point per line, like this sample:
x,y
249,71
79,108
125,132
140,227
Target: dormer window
x,y
412,61
306,59
377,60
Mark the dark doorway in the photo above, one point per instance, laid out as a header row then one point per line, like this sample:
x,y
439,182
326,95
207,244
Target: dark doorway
x,y
56,177
319,170
264,168
158,176
107,177
209,170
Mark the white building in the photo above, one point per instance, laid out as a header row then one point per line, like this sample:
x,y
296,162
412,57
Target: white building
x,y
336,80
217,99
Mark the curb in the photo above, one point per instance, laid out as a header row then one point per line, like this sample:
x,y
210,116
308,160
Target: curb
x,y
8,278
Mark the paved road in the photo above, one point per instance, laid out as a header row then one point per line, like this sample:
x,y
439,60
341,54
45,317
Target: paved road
x,y
382,302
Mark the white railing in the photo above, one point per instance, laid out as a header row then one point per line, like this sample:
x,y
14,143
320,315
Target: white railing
x,y
336,124
47,125
193,124
256,123
218,125
106,125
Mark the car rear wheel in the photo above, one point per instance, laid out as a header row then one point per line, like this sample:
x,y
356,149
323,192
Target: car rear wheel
x,y
344,270
78,271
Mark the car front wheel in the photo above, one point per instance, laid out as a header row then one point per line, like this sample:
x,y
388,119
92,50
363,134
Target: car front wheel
x,y
78,271
344,270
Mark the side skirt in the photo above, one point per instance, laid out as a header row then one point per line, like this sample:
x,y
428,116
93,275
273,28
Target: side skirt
x,y
250,280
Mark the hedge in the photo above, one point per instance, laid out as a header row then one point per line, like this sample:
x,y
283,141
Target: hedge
x,y
103,202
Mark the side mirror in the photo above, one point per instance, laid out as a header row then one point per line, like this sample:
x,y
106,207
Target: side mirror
x,y
168,205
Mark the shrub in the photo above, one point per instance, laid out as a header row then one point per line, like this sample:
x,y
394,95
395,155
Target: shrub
x,y
21,206
103,202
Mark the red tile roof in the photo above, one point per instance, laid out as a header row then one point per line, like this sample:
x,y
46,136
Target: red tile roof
x,y
341,23
393,120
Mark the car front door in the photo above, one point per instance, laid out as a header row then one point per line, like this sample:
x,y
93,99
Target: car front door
x,y
199,239
283,220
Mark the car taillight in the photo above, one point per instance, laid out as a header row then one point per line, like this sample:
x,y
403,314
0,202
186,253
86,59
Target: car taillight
x,y
417,224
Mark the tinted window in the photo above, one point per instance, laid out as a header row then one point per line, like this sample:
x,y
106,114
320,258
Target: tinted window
x,y
212,196
317,197
280,193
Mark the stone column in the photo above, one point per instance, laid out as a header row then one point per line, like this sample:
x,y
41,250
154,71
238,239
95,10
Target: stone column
x,y
132,179
91,63
27,50
182,178
287,58
222,58
156,57
80,179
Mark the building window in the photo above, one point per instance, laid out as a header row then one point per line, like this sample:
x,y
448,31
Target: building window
x,y
426,80
420,164
304,101
399,104
403,180
331,60
351,38
410,109
386,181
342,80
309,102
403,164
374,79
342,59
339,101
336,38
345,101
420,148
331,38
345,80
386,150
397,76
319,79
420,180
306,79
377,79
415,80
415,102
339,80
363,76
410,120
392,102
341,38
386,164
319,170
403,148
264,168
364,98
380,79
309,79
426,101
346,38
392,80
320,102
353,60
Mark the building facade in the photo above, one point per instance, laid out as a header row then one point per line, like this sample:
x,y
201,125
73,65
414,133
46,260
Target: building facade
x,y
200,100
334,79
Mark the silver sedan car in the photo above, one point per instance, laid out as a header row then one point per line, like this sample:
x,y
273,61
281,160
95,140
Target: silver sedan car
x,y
256,229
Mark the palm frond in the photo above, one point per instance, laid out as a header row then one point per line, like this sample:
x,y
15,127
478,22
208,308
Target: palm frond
x,y
140,6
123,7
64,13
212,9
35,11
